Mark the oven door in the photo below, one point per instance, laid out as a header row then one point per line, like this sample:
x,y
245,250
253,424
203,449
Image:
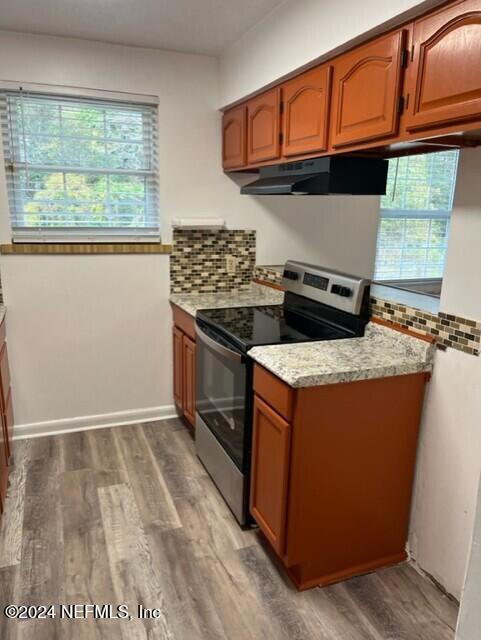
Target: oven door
x,y
221,392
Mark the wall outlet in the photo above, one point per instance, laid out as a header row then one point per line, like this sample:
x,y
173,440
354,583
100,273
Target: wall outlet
x,y
230,264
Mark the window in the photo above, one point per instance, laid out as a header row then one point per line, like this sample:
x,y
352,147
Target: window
x,y
415,213
80,169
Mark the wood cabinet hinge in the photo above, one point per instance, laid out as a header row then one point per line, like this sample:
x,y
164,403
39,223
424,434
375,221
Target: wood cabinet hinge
x,y
412,53
401,104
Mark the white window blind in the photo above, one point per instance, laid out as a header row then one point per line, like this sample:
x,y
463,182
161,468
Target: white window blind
x,y
415,214
80,169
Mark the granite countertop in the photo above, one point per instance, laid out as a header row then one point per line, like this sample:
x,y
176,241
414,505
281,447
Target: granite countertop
x,y
382,352
3,311
256,295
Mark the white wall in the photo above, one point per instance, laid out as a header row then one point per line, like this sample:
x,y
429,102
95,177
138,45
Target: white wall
x,y
79,327
298,32
449,461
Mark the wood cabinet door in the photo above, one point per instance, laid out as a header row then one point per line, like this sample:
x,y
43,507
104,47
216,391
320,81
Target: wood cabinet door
x,y
366,91
305,102
270,473
178,367
189,379
445,75
234,138
263,127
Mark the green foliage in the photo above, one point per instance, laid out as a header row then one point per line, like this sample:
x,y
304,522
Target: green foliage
x,y
75,140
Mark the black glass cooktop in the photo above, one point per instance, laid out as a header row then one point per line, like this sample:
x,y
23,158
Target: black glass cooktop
x,y
252,326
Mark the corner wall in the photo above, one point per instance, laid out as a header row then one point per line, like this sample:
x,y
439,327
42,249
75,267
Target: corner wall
x,y
449,458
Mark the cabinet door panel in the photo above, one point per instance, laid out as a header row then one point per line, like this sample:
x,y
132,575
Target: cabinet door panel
x,y
445,77
270,473
234,138
188,348
366,91
306,111
263,120
178,367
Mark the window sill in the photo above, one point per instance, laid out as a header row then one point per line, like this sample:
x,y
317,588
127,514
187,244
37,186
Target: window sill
x,y
91,248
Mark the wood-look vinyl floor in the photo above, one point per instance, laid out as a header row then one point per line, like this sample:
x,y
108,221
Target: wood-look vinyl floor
x,y
129,516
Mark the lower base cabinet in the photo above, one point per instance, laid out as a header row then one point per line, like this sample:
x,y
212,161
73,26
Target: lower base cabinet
x,y
332,473
184,364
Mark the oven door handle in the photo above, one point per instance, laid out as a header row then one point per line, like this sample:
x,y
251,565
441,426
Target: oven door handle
x,y
215,346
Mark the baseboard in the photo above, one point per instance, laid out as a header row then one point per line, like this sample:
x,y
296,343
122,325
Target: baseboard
x,y
84,423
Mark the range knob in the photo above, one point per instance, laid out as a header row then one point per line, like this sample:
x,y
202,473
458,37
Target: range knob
x,y
339,290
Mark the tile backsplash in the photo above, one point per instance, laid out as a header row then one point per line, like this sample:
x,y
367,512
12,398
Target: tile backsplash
x,y
198,263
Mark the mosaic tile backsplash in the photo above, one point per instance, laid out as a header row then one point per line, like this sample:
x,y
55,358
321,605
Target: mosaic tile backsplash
x,y
448,330
198,260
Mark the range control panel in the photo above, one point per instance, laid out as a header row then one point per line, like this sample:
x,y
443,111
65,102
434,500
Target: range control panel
x,y
334,288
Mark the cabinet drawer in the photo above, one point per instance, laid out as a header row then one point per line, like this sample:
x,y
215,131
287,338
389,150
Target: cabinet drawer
x,y
4,375
276,393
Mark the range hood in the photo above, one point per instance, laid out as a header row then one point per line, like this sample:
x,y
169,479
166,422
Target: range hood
x,y
330,175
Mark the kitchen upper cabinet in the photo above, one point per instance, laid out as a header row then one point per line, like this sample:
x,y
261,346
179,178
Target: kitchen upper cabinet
x,y
444,80
188,361
305,102
366,91
263,127
234,134
270,471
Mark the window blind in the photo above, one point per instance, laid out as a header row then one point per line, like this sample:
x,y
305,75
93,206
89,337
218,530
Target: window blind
x,y
80,169
415,215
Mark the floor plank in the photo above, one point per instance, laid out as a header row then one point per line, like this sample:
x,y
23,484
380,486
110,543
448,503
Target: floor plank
x,y
11,528
129,515
135,582
87,573
154,501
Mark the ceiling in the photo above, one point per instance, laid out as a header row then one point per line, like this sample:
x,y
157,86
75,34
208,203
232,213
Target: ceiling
x,y
192,26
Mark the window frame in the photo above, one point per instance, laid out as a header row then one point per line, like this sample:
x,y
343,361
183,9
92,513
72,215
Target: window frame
x,y
149,232
405,215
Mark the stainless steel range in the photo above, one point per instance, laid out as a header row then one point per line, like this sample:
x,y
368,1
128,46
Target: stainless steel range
x,y
320,304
